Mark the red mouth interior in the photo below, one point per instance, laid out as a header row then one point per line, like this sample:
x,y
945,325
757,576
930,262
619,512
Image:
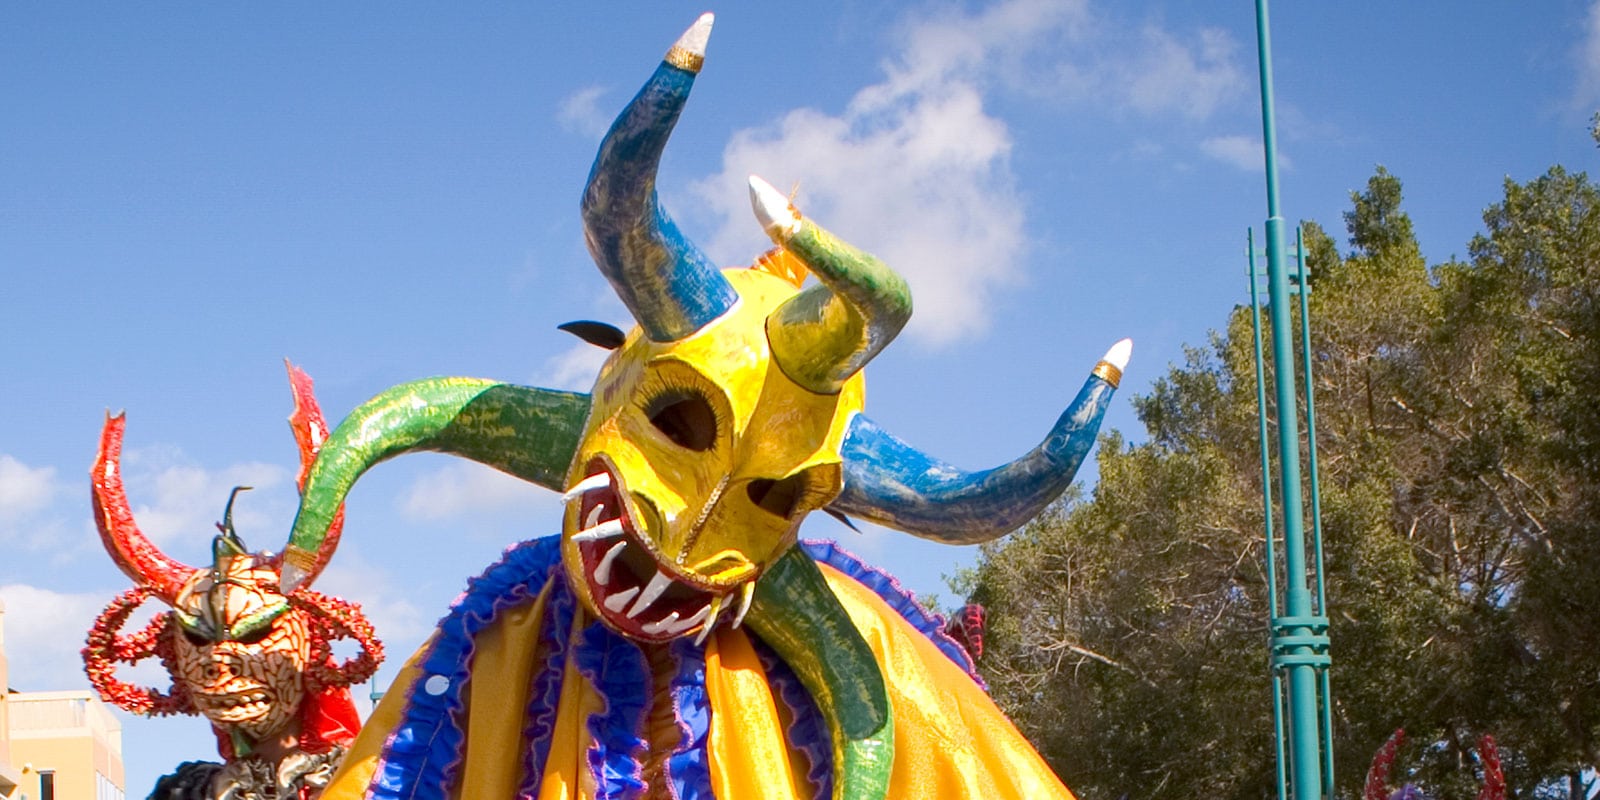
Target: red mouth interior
x,y
618,580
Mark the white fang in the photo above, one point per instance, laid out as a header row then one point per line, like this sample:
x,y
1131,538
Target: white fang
x,y
712,611
748,591
692,621
617,601
658,584
602,573
598,481
661,624
604,530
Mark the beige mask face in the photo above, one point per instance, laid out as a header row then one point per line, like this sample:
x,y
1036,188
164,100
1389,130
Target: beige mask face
x,y
696,496
241,650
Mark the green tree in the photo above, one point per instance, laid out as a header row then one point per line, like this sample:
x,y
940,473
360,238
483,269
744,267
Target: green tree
x,y
1459,437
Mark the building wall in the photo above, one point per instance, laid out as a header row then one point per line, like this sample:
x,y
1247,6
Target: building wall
x,y
71,735
10,775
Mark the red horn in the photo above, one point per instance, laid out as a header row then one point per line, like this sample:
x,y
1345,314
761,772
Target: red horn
x,y
310,432
134,553
1494,779
1377,787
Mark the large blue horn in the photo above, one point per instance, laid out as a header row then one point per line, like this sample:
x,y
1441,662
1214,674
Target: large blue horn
x,y
896,485
671,287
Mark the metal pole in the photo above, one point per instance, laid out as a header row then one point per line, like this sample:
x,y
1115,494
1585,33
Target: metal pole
x,y
1278,738
1295,634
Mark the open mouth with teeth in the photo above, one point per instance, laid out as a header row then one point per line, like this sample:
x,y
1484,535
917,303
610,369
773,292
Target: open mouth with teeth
x,y
636,591
235,706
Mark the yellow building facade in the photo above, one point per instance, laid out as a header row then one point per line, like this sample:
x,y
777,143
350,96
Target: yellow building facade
x,y
57,745
10,775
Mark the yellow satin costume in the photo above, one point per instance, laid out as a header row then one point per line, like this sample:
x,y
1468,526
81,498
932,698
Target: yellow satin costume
x,y
617,660
950,739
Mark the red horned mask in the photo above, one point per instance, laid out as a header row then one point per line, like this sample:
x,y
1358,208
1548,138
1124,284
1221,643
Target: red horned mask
x,y
249,658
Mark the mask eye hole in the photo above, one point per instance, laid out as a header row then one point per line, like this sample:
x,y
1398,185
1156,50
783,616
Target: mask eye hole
x,y
685,418
776,497
253,636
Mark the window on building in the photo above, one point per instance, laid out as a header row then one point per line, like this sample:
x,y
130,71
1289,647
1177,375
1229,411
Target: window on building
x,y
47,784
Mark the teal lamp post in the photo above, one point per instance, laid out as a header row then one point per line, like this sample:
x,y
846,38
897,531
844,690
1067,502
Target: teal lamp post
x,y
1299,624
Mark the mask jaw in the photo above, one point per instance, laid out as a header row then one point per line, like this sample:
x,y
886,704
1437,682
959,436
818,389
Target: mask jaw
x,y
618,569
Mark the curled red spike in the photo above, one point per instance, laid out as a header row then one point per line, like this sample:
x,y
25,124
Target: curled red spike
x,y
310,432
135,554
1494,780
1377,787
967,628
105,649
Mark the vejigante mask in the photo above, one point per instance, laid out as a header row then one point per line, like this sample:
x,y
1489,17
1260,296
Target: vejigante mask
x,y
253,659
730,411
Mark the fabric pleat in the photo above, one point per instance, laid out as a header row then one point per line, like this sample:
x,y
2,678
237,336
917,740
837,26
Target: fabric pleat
x,y
521,694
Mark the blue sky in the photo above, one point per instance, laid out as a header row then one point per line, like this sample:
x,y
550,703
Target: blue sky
x,y
383,192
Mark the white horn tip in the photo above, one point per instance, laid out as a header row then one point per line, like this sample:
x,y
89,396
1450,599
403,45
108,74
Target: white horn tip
x,y
291,577
1119,354
773,210
694,39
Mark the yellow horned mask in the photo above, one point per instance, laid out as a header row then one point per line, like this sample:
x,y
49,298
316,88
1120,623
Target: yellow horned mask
x,y
729,413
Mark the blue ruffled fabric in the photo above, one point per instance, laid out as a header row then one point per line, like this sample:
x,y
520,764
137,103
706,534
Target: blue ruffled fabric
x,y
421,757
688,770
619,673
544,690
900,599
808,733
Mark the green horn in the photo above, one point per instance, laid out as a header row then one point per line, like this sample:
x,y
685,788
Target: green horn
x,y
828,332
520,430
796,614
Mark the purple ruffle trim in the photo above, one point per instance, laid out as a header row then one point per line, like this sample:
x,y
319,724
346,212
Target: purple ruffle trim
x,y
423,753
617,669
808,733
688,768
899,598
544,690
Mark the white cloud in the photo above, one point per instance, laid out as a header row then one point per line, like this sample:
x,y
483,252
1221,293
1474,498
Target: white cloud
x,y
1589,57
580,112
384,601
27,524
174,501
1167,75
177,502
1005,40
916,169
24,490
574,369
1241,152
464,486
44,630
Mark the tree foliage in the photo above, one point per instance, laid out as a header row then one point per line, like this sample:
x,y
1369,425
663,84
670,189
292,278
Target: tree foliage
x,y
1459,437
